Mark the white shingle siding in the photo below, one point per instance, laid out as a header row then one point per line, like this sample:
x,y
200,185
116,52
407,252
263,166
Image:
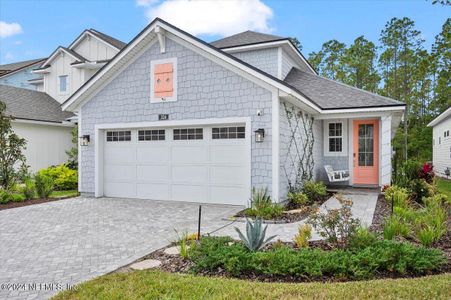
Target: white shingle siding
x,y
264,59
205,90
441,152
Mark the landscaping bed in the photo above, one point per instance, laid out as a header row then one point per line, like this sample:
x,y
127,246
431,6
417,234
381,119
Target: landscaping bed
x,y
61,195
299,205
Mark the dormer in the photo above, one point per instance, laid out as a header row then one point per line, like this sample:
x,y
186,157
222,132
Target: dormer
x,y
272,54
68,68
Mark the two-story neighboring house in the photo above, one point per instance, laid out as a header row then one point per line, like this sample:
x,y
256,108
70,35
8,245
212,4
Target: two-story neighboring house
x,y
38,115
174,118
20,74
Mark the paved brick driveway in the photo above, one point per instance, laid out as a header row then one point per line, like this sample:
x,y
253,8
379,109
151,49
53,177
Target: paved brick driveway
x,y
73,240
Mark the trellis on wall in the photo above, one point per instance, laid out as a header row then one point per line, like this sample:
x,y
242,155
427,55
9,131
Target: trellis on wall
x,y
298,164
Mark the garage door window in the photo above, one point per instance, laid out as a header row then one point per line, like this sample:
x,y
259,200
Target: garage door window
x,y
151,135
188,134
118,136
228,133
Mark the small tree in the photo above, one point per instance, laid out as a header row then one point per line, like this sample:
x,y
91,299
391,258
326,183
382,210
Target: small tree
x,y
12,160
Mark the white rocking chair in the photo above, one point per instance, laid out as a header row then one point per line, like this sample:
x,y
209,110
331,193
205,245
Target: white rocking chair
x,y
336,176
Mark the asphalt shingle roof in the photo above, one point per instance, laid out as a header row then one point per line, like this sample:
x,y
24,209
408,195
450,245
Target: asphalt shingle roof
x,y
32,105
109,39
329,94
7,68
245,38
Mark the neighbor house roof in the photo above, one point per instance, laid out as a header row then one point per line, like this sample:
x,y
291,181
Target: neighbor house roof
x,y
32,105
109,39
443,116
246,38
9,68
329,94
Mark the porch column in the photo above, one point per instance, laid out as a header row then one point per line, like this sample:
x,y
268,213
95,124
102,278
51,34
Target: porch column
x,y
386,150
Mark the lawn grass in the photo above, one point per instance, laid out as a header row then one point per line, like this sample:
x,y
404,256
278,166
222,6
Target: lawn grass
x,y
64,194
162,285
444,186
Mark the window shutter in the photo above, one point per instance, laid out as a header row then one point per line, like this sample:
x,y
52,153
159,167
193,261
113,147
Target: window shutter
x,y
163,80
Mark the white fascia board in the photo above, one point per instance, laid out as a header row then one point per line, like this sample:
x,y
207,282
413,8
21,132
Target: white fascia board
x,y
55,54
440,118
207,49
43,71
331,113
89,65
63,124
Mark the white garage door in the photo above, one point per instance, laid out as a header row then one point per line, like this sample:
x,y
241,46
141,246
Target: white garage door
x,y
196,164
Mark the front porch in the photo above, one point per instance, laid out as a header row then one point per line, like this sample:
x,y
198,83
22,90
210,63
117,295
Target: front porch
x,y
359,145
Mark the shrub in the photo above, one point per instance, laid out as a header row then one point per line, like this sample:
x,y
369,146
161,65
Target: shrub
x,y
303,236
397,194
297,199
212,254
427,173
262,206
44,185
5,196
362,238
63,177
255,235
420,188
17,198
29,189
315,191
395,226
336,225
426,235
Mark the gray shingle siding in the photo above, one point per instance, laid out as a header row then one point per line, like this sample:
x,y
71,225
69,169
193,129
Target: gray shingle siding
x,y
264,59
287,154
205,90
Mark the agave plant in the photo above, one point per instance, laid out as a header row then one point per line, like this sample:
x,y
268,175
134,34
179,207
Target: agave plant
x,y
255,235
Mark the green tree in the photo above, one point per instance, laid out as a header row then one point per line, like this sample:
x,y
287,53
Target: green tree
x,y
401,45
359,65
12,160
296,43
328,61
441,58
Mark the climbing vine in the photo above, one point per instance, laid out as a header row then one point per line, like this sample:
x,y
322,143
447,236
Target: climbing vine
x,y
298,162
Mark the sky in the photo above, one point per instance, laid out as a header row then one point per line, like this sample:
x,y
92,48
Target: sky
x,y
35,28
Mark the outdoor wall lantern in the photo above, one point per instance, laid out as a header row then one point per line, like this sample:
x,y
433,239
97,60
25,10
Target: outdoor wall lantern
x,y
259,135
84,140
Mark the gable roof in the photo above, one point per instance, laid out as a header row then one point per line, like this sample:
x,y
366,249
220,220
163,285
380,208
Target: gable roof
x,y
107,38
442,117
13,67
27,104
290,87
329,94
246,38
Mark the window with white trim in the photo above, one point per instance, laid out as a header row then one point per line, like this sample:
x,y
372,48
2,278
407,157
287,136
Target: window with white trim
x,y
119,136
62,84
188,134
151,135
335,138
446,134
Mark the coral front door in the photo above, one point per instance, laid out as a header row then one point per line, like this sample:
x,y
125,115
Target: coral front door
x,y
366,152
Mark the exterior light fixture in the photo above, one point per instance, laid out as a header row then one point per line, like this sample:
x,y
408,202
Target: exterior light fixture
x,y
84,140
259,135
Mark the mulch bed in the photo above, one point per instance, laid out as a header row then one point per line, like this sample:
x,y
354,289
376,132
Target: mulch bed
x,y
382,211
30,202
291,214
